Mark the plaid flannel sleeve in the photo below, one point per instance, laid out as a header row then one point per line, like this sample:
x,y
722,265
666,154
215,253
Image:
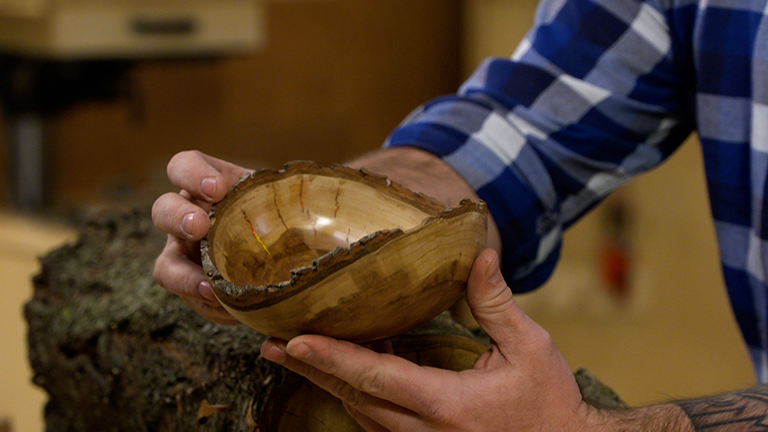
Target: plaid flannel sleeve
x,y
590,98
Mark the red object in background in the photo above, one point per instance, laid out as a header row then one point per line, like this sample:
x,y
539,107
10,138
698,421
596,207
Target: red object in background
x,y
615,259
615,266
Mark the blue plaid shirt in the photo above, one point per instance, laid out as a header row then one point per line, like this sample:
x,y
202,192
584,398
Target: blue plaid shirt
x,y
598,92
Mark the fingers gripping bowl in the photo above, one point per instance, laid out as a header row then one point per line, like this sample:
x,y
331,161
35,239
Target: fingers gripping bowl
x,y
337,251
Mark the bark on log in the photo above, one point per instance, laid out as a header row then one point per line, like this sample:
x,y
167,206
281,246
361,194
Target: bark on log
x,y
116,352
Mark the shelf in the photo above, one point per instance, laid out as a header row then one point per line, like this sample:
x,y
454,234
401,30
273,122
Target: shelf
x,y
77,29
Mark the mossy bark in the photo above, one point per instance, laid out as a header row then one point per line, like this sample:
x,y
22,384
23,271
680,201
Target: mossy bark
x,y
116,352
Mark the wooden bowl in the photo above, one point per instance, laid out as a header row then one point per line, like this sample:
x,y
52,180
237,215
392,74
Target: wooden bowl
x,y
337,251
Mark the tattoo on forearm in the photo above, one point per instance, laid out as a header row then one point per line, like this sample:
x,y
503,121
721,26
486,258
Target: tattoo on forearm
x,y
745,410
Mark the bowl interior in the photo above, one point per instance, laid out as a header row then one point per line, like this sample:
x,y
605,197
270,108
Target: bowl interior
x,y
258,237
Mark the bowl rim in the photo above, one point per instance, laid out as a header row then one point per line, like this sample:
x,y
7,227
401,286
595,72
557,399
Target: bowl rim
x,y
250,297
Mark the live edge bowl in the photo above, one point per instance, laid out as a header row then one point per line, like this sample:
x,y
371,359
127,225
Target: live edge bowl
x,y
337,251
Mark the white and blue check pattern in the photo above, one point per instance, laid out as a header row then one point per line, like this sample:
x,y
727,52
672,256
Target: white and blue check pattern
x,y
598,92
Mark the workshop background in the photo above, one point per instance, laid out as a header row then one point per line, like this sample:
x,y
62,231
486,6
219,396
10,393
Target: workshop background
x,y
638,297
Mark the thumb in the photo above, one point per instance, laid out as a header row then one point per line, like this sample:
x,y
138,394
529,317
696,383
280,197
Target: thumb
x,y
491,302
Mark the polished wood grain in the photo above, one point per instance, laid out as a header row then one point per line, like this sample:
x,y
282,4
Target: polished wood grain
x,y
338,251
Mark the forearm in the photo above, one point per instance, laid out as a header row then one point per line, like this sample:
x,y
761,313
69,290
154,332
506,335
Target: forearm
x,y
656,418
423,172
743,410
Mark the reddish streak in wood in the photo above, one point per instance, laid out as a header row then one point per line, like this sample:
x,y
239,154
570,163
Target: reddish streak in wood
x,y
301,194
253,230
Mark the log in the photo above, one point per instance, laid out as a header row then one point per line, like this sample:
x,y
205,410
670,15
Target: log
x,y
116,352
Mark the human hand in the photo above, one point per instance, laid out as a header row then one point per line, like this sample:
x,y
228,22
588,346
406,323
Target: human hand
x,y
202,180
522,383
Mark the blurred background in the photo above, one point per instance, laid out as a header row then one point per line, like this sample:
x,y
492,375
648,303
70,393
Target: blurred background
x,y
91,118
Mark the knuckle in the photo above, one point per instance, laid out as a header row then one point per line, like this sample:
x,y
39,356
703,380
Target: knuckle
x,y
543,339
353,412
159,210
372,381
349,394
180,161
155,212
158,273
540,343
175,278
201,308
175,161
440,415
215,314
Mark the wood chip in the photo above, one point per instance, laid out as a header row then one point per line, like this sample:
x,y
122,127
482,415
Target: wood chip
x,y
206,409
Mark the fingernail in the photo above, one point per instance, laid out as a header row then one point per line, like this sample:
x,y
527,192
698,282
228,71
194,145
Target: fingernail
x,y
208,188
188,224
205,290
273,352
300,351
